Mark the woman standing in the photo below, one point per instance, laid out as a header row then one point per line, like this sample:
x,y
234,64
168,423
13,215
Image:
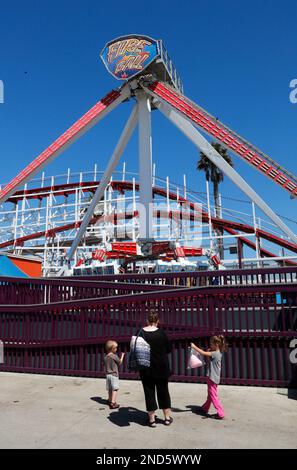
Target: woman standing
x,y
155,378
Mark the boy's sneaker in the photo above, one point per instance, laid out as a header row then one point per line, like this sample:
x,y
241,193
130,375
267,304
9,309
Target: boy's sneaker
x,y
114,406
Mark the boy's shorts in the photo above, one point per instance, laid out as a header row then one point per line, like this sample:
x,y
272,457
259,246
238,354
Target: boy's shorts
x,y
112,382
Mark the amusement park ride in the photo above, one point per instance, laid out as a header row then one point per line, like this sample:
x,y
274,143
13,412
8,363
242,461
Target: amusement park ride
x,y
97,224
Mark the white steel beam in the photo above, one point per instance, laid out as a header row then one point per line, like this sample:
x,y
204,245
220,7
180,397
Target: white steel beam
x,y
145,165
114,160
197,138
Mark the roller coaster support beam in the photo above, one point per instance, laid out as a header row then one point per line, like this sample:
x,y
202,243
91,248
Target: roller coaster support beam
x,y
113,162
80,127
197,138
145,165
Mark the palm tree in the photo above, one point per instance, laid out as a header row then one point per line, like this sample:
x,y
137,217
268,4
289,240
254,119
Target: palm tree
x,y
215,175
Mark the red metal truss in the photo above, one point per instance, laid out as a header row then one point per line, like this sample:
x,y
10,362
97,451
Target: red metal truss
x,y
88,120
125,248
226,136
275,239
129,249
263,252
162,249
51,233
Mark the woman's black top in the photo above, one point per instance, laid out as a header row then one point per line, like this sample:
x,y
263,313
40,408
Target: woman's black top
x,y
160,347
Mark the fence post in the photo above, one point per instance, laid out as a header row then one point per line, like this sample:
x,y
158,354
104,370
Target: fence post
x,y
82,337
211,314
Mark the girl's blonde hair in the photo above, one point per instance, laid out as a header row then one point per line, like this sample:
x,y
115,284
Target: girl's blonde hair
x,y
220,341
110,345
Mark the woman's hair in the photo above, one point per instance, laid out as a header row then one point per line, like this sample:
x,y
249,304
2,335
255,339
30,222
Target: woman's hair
x,y
110,345
153,317
220,341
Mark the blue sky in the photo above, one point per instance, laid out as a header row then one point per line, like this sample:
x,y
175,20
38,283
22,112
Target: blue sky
x,y
236,59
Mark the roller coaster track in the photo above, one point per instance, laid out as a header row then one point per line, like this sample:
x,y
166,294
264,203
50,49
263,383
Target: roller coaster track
x,y
231,227
241,147
197,115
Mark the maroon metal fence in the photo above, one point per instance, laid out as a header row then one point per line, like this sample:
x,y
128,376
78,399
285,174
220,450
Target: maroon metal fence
x,y
67,337
45,290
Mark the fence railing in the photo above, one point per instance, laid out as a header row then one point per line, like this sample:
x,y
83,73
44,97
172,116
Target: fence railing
x,y
47,290
257,361
237,310
205,278
68,337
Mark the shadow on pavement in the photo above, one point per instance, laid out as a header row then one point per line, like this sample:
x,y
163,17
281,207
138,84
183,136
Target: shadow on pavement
x,y
126,415
179,410
101,401
292,393
197,410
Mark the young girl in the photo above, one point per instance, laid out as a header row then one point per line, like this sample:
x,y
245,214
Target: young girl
x,y
111,362
217,346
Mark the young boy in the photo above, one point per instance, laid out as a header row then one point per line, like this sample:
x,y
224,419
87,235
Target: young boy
x,y
111,363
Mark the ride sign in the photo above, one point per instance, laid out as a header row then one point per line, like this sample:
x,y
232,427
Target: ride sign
x,y
127,56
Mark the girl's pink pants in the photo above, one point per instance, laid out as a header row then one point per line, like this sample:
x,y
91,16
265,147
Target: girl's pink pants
x,y
212,398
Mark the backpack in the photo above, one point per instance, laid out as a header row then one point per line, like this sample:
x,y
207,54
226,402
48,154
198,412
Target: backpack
x,y
140,353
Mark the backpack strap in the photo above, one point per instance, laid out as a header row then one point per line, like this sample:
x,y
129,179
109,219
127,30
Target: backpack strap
x,y
134,346
137,336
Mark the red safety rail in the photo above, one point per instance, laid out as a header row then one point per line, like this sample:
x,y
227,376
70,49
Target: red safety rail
x,y
226,136
98,255
264,253
66,189
88,120
229,226
179,252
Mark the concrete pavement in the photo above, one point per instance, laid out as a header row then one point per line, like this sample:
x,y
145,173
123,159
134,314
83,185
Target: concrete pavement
x,y
52,412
